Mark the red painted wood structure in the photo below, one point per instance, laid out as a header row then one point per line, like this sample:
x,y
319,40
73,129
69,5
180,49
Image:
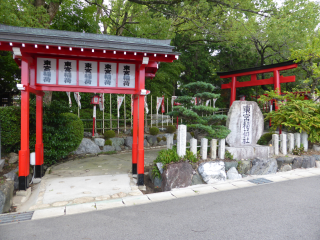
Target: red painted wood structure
x,y
46,56
276,80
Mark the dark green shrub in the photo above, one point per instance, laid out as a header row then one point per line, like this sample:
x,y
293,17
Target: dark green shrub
x,y
175,136
171,129
109,134
10,120
76,127
265,139
158,139
167,156
192,134
154,131
108,142
164,138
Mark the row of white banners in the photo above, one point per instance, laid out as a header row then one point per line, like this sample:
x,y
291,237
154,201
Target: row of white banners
x,y
160,102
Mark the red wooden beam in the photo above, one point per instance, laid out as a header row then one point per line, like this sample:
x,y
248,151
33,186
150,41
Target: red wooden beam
x,y
255,82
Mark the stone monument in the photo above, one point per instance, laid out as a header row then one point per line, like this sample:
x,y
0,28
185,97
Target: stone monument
x,y
245,120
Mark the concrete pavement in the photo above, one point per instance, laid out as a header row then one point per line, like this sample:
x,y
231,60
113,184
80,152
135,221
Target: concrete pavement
x,y
285,209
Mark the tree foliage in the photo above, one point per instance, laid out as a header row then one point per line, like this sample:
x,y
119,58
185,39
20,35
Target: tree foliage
x,y
200,119
295,114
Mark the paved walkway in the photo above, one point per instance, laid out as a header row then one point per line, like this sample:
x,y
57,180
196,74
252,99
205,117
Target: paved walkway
x,y
84,180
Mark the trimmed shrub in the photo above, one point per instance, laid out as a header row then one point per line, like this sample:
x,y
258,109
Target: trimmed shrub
x,y
192,134
109,134
154,131
10,118
76,127
108,142
164,138
265,139
171,129
158,139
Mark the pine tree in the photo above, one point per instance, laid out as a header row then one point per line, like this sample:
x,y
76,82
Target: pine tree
x,y
199,118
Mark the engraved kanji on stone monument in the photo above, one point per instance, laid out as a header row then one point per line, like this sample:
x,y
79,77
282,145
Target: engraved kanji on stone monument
x,y
47,71
88,73
126,75
246,124
67,72
107,74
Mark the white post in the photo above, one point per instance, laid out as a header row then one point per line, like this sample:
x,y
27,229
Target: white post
x,y
181,140
103,115
297,140
304,141
213,149
222,148
169,141
291,142
204,148
125,121
283,143
275,143
193,146
110,114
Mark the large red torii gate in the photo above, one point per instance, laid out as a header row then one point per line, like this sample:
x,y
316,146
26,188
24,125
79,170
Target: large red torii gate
x,y
275,80
41,54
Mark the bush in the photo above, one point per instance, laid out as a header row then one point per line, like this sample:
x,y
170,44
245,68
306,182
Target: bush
x,y
171,129
175,136
109,134
164,138
228,155
154,131
108,142
192,134
265,139
76,127
167,156
158,139
190,156
10,120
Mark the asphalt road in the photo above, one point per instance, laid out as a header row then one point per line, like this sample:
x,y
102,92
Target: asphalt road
x,y
284,210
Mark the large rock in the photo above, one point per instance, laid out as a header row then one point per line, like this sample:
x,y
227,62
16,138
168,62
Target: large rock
x,y
177,175
13,175
99,141
117,143
308,162
212,172
235,122
87,134
263,166
157,182
316,148
244,166
6,196
285,168
196,179
250,152
13,157
283,161
229,165
233,174
87,146
297,162
128,142
316,157
108,148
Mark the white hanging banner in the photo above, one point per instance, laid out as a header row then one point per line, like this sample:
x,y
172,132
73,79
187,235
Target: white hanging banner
x,y
146,105
208,102
101,102
172,100
77,97
69,97
214,102
119,102
194,101
159,101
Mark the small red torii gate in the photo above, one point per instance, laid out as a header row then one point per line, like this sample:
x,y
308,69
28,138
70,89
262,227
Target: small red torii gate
x,y
52,60
275,80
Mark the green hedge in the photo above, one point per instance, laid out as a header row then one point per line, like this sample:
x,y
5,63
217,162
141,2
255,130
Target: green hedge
x,y
62,132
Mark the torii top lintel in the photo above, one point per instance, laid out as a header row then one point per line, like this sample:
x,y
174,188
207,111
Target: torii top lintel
x,y
276,79
30,44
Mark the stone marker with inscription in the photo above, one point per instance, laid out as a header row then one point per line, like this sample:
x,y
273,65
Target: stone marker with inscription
x,y
245,120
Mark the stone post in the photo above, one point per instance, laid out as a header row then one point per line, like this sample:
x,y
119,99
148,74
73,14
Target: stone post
x,y
169,141
193,146
291,142
297,140
283,143
181,140
222,148
275,143
213,149
204,148
304,141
